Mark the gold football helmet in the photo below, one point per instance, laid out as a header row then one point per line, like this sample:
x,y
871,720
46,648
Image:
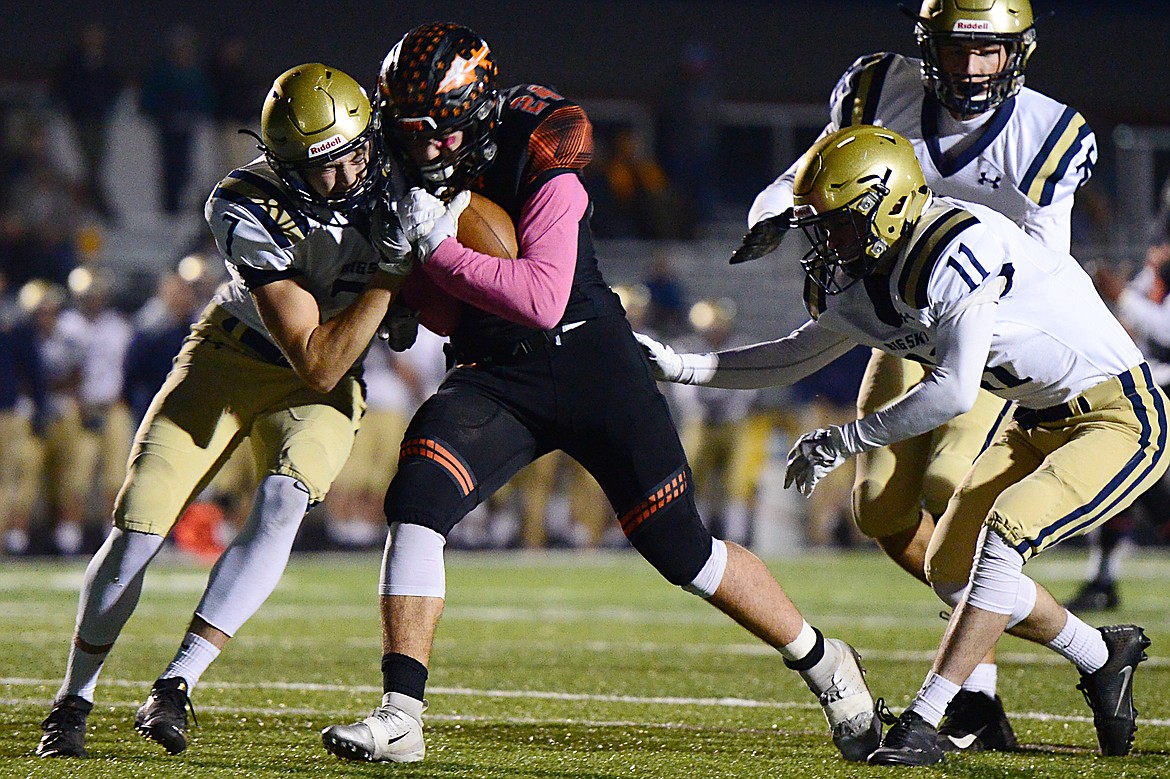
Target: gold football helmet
x,y
1006,22
857,192
313,115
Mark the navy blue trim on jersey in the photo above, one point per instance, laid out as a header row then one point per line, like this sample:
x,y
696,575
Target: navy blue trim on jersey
x,y
270,225
1045,150
949,165
877,287
277,195
916,298
1074,522
254,278
1062,166
874,95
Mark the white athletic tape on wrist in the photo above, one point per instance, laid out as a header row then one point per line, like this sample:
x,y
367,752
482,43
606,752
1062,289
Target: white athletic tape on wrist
x,y
698,368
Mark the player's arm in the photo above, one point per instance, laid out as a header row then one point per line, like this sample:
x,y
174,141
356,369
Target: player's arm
x,y
533,289
951,388
776,363
321,353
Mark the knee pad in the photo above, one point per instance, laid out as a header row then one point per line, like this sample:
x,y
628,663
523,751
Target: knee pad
x,y
950,593
711,574
997,576
675,542
413,562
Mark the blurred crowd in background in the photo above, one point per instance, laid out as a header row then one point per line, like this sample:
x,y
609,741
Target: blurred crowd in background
x,y
88,328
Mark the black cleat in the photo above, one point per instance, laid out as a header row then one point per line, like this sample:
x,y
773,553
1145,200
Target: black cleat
x,y
163,718
911,741
65,728
976,722
1094,596
1109,689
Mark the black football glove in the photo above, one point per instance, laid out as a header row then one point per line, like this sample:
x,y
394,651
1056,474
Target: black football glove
x,y
763,238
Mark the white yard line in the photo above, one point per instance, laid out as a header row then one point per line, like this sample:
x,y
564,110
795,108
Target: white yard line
x,y
507,694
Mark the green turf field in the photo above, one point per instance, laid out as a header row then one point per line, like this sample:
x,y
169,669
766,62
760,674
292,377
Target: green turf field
x,y
550,667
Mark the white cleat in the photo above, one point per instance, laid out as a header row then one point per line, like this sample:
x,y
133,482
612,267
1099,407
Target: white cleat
x,y
392,734
850,708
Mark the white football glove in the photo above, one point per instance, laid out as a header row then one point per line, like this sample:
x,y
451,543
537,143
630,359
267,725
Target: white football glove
x,y
665,364
428,221
686,368
813,457
388,237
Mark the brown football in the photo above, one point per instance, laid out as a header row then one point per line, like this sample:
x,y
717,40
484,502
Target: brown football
x,y
486,228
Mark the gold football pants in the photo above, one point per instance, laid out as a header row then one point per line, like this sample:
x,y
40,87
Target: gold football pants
x,y
1038,485
895,483
218,392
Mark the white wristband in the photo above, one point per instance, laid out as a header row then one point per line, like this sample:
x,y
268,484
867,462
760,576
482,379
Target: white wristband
x,y
698,368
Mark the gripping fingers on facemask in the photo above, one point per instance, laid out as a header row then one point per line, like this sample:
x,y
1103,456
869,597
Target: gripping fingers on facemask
x,y
763,238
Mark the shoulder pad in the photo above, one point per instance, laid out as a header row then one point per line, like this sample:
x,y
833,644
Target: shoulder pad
x,y
935,231
271,206
858,91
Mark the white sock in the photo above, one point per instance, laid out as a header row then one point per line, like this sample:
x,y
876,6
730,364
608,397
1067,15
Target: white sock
x,y
194,656
983,679
249,570
819,674
1080,643
934,697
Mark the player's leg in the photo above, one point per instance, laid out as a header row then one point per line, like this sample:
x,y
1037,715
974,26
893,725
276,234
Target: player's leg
x,y
300,445
1093,466
621,431
183,436
460,448
887,485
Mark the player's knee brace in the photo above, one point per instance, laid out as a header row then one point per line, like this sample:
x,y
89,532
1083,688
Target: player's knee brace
x,y
998,583
711,574
413,562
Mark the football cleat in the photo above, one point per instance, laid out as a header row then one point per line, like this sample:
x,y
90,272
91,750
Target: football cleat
x,y
849,707
1094,596
1109,689
163,718
64,728
911,741
391,734
976,722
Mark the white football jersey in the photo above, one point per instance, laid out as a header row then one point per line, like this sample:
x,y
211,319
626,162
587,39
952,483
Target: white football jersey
x,y
1026,159
265,233
1054,337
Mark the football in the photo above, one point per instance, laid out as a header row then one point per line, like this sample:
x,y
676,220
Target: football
x,y
486,228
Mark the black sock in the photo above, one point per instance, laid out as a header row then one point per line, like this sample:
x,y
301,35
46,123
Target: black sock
x,y
403,674
812,658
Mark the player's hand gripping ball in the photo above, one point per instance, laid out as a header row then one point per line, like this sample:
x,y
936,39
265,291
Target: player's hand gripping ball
x,y
486,228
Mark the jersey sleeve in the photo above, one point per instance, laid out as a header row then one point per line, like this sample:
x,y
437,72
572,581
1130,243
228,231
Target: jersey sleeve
x,y
969,271
858,91
1063,163
561,143
252,242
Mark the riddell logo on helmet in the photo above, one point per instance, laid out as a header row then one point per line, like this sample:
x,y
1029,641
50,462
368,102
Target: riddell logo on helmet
x,y
972,25
317,149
